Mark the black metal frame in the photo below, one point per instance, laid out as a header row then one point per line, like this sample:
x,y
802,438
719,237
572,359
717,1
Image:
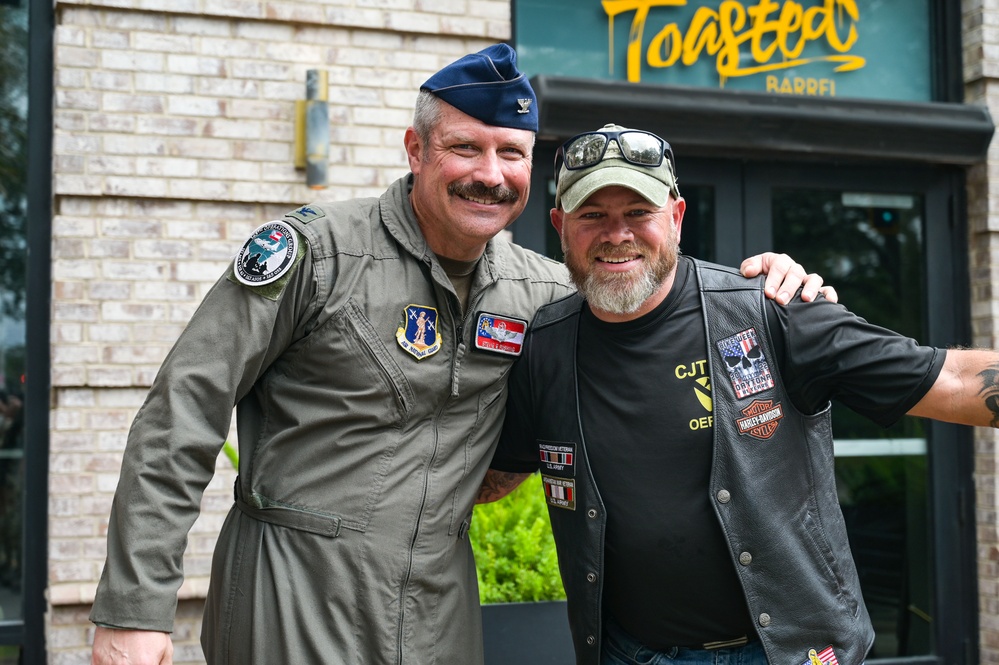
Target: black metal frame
x,y
41,73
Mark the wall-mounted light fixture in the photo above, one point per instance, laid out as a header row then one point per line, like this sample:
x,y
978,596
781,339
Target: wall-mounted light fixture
x,y
312,129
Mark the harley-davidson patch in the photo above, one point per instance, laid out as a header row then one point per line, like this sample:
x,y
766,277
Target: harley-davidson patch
x,y
762,419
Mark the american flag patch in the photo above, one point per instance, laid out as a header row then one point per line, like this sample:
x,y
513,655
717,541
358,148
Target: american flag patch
x,y
825,657
747,367
560,492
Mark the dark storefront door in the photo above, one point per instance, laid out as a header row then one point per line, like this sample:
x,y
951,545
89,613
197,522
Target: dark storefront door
x,y
888,240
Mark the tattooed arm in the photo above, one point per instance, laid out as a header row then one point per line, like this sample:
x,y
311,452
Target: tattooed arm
x,y
497,484
967,390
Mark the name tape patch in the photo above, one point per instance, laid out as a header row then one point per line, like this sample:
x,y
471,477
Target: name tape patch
x,y
500,334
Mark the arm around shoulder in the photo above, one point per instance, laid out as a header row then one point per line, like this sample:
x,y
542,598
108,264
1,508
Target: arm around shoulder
x,y
966,391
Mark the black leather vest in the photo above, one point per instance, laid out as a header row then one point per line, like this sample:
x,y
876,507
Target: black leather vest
x,y
772,484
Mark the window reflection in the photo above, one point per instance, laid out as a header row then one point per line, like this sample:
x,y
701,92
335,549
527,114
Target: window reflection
x,y
870,247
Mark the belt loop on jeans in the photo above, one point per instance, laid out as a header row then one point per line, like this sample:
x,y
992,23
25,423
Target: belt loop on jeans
x,y
726,644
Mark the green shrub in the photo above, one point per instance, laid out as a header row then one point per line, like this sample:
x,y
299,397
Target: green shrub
x,y
514,550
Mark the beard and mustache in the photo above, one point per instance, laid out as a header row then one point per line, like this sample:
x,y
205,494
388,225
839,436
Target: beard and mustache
x,y
621,293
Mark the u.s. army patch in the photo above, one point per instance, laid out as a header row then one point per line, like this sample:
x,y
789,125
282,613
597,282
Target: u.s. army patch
x,y
267,255
558,457
746,364
560,492
418,335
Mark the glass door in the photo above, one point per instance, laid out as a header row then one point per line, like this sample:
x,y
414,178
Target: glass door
x,y
890,242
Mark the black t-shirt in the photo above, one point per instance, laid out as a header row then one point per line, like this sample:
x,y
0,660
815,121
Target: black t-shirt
x,y
645,403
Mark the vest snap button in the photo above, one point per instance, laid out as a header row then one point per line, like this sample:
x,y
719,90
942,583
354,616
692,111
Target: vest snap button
x,y
724,496
591,640
764,619
591,577
591,513
745,558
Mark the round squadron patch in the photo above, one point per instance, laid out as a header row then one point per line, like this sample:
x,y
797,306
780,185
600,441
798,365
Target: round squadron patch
x,y
267,255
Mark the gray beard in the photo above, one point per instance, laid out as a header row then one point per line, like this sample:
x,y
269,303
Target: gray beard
x,y
623,293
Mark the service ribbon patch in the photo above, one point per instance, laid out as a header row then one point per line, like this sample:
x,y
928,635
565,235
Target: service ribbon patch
x,y
746,364
762,419
560,492
267,255
825,657
500,334
558,457
418,335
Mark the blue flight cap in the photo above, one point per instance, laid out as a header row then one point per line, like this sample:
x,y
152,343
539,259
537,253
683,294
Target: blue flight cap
x,y
488,86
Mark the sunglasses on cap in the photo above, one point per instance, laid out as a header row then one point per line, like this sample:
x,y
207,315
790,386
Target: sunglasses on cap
x,y
636,146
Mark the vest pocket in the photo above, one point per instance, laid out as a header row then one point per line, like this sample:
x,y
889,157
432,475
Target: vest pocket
x,y
825,560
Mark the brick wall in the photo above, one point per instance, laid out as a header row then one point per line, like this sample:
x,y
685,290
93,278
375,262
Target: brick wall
x,y
174,129
981,68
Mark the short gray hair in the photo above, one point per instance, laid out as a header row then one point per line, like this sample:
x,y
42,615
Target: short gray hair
x,y
427,114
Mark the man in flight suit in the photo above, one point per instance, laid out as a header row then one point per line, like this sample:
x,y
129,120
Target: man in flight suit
x,y
367,408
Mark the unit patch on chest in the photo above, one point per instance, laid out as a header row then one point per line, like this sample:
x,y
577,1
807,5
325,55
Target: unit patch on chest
x,y
267,255
499,334
418,335
747,366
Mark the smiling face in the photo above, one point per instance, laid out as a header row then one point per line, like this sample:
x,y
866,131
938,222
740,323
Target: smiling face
x,y
471,180
621,251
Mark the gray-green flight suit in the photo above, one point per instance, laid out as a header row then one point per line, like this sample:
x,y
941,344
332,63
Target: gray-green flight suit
x,y
359,464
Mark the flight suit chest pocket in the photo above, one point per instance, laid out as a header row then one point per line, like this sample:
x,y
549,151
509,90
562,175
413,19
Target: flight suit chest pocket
x,y
346,355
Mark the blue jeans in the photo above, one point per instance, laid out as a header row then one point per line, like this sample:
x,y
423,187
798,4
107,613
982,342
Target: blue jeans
x,y
620,648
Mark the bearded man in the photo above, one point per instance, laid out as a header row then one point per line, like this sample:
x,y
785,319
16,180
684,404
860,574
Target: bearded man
x,y
696,517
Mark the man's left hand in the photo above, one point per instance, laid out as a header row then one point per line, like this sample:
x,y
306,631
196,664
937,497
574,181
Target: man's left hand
x,y
784,276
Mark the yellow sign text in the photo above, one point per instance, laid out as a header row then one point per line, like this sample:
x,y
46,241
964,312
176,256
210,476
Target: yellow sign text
x,y
771,33
794,85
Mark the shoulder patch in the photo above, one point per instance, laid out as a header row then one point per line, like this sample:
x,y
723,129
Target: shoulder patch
x,y
267,255
307,214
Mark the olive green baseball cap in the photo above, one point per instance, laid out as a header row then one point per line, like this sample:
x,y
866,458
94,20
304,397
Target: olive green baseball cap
x,y
622,150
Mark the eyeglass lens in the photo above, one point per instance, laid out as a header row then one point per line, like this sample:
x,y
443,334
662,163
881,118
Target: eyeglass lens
x,y
641,148
585,151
